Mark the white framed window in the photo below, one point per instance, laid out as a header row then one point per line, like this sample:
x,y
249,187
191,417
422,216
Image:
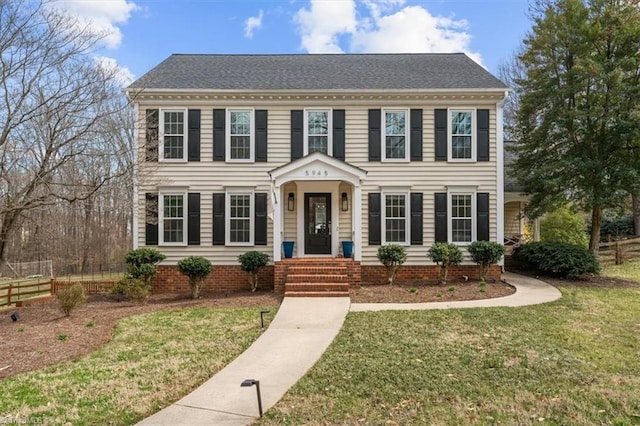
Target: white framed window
x,y
172,218
240,135
318,127
395,135
173,134
395,218
462,134
239,218
462,217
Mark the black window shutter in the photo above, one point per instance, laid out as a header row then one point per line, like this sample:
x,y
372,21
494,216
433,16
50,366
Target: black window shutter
x,y
151,219
152,142
416,218
260,219
297,133
338,134
482,210
218,219
441,221
193,219
194,135
375,121
416,135
441,134
375,219
261,135
483,134
219,117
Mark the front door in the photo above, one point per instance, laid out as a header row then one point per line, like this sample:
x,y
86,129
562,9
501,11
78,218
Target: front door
x,y
317,223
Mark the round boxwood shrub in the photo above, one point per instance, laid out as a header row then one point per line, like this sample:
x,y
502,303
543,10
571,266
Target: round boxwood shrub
x,y
251,262
558,259
196,268
445,255
485,254
392,256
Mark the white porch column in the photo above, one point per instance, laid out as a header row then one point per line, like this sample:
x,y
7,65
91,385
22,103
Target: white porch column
x,y
277,226
536,229
356,221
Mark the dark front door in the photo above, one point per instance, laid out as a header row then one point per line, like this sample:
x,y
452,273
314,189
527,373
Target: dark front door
x,y
317,223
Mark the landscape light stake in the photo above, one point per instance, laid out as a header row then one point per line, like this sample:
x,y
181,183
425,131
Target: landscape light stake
x,y
247,383
266,311
15,316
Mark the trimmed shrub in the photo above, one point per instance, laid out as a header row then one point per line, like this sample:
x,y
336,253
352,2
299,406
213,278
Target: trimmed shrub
x,y
445,255
485,254
70,298
558,259
196,268
252,262
392,256
564,226
142,264
134,289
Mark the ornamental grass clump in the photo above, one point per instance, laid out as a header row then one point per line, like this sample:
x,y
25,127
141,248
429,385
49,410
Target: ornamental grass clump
x,y
392,256
196,268
252,262
445,255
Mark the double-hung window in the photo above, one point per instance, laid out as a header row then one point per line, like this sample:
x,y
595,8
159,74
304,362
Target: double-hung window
x,y
462,217
317,131
462,135
240,135
240,214
395,129
173,134
173,219
395,217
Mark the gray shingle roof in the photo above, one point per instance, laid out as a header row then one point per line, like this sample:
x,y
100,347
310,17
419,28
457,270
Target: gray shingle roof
x,y
319,72
511,184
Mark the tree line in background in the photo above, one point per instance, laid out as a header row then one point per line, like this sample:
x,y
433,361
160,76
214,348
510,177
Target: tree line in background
x,y
575,109
66,142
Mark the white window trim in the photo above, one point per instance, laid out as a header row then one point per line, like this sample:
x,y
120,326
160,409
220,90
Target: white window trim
x,y
329,129
474,136
161,195
227,217
252,136
407,142
185,135
407,218
474,217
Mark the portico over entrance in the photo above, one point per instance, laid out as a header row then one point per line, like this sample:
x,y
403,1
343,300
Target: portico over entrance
x,y
316,203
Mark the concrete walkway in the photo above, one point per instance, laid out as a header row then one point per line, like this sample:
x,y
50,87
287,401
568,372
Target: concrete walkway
x,y
529,291
297,337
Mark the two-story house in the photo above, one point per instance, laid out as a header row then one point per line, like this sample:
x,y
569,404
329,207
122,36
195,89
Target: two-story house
x,y
259,152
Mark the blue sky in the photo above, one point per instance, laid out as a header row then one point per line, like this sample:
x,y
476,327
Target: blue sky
x,y
144,32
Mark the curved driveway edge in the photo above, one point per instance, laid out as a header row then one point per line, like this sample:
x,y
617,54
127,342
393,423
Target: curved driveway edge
x,y
529,291
299,334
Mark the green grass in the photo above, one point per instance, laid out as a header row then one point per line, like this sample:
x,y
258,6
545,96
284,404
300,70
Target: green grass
x,y
153,360
629,270
574,362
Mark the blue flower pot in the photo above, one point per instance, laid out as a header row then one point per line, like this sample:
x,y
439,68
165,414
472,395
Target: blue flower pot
x,y
287,248
347,249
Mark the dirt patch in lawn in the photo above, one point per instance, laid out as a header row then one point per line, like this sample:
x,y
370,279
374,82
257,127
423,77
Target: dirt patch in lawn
x,y
42,336
422,291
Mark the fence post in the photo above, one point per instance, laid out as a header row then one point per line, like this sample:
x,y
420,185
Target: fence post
x,y
9,295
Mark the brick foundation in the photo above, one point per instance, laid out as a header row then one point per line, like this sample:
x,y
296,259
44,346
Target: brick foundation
x,y
223,279
374,274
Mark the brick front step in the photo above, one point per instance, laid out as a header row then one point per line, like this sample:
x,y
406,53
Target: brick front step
x,y
314,270
316,294
315,287
317,278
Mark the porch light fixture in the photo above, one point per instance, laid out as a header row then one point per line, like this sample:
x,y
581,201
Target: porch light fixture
x,y
290,202
247,383
345,202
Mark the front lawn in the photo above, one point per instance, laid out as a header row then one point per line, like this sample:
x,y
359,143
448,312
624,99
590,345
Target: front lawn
x,y
153,360
574,361
629,270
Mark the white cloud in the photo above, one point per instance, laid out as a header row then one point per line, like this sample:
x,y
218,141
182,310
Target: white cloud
x,y
323,22
123,75
381,26
102,16
253,23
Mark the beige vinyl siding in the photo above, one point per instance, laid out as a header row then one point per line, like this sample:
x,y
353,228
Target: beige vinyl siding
x,y
512,218
207,176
